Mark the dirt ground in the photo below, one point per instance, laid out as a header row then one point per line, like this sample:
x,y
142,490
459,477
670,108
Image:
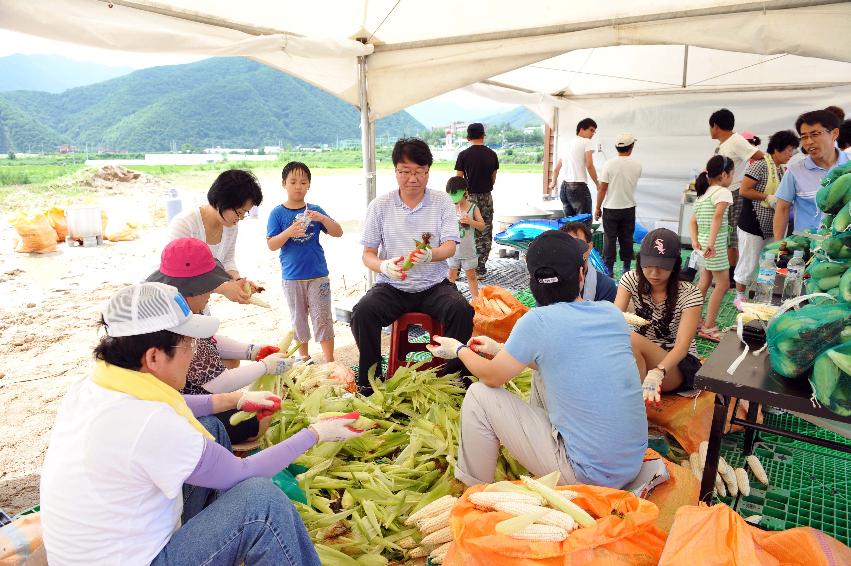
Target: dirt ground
x,y
50,303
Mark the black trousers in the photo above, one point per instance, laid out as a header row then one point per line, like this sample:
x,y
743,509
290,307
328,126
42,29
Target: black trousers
x,y
383,304
618,227
575,199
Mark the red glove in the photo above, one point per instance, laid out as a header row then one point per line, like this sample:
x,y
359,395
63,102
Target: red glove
x,y
263,403
257,353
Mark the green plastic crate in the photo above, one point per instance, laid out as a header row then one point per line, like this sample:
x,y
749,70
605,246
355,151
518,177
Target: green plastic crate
x,y
805,488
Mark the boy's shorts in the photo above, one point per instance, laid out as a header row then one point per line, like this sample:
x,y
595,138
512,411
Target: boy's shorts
x,y
311,297
465,264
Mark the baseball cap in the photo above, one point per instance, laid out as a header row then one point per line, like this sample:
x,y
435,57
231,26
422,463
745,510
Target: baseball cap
x,y
475,131
660,248
558,251
151,307
625,140
188,264
457,196
748,135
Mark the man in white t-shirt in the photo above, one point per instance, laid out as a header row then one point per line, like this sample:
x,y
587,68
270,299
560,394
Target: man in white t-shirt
x,y
616,202
576,164
737,148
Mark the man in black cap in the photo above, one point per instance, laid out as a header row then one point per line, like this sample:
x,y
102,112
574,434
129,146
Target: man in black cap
x,y
478,164
586,387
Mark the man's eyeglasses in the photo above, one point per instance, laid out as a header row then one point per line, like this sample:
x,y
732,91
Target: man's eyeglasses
x,y
193,346
241,214
404,173
813,135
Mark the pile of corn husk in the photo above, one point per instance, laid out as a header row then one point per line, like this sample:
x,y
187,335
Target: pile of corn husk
x,y
361,492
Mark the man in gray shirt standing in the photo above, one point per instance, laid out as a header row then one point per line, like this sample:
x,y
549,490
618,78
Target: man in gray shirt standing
x,y
394,221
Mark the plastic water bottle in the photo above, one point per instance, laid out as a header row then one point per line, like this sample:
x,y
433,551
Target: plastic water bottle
x,y
765,279
173,204
794,276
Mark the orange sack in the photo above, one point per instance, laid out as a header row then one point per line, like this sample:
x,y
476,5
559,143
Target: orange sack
x,y
490,320
56,217
629,538
35,235
718,536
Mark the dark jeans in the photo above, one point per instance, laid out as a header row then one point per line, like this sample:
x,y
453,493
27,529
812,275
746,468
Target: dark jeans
x,y
251,523
484,239
383,304
575,199
618,227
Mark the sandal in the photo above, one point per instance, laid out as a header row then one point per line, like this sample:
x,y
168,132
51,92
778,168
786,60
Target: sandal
x,y
712,334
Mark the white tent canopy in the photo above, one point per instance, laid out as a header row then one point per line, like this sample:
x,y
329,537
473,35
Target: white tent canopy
x,y
582,56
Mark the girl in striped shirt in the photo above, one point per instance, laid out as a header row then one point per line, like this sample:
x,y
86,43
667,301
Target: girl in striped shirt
x,y
709,236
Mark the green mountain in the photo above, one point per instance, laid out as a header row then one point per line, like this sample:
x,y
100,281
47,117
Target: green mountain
x,y
518,118
229,102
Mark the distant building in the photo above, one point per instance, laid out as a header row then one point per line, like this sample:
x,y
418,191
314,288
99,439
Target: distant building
x,y
66,148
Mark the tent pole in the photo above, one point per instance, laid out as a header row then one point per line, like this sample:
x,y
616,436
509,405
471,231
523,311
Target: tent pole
x,y
685,66
367,137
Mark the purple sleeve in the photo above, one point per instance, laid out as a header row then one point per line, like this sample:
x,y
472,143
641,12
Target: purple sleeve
x,y
219,469
200,405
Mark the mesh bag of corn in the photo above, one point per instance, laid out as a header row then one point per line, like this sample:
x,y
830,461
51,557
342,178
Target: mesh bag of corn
x,y
797,337
611,527
831,379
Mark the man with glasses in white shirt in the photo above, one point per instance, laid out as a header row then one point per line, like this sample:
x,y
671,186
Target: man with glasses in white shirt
x,y
394,222
797,191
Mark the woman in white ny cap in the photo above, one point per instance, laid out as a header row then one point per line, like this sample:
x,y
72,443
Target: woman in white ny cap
x,y
136,473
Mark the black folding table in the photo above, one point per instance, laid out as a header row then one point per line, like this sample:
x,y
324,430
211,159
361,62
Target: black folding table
x,y
755,382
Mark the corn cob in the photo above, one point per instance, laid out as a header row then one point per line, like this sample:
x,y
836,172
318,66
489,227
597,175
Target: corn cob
x,y
434,523
438,537
754,519
434,508
729,477
702,449
509,487
561,503
419,552
407,543
634,320
519,522
757,469
719,486
541,533
438,554
743,481
487,499
502,306
694,460
722,465
552,517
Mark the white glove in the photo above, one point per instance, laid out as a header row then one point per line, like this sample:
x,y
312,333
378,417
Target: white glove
x,y
651,387
419,256
485,345
277,364
263,403
447,348
771,200
392,268
336,429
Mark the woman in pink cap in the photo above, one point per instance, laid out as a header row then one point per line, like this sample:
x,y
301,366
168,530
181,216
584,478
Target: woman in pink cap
x,y
187,264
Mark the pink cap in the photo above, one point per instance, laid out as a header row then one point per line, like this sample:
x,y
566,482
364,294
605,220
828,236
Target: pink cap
x,y
186,257
748,135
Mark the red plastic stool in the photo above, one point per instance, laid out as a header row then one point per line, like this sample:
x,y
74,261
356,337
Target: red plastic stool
x,y
400,346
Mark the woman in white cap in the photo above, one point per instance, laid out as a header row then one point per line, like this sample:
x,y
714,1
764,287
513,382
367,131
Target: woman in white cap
x,y
585,417
664,348
136,473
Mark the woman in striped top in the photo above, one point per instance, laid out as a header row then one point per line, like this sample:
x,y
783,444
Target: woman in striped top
x,y
709,234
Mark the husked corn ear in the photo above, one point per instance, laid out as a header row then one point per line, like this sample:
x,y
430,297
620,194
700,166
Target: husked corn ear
x,y
743,481
487,499
757,469
694,460
434,523
438,554
537,531
407,543
438,537
729,477
419,552
702,449
436,507
754,519
560,502
723,465
719,486
552,517
634,320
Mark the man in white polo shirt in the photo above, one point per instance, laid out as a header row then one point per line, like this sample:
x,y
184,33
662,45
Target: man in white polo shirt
x,y
394,221
616,202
